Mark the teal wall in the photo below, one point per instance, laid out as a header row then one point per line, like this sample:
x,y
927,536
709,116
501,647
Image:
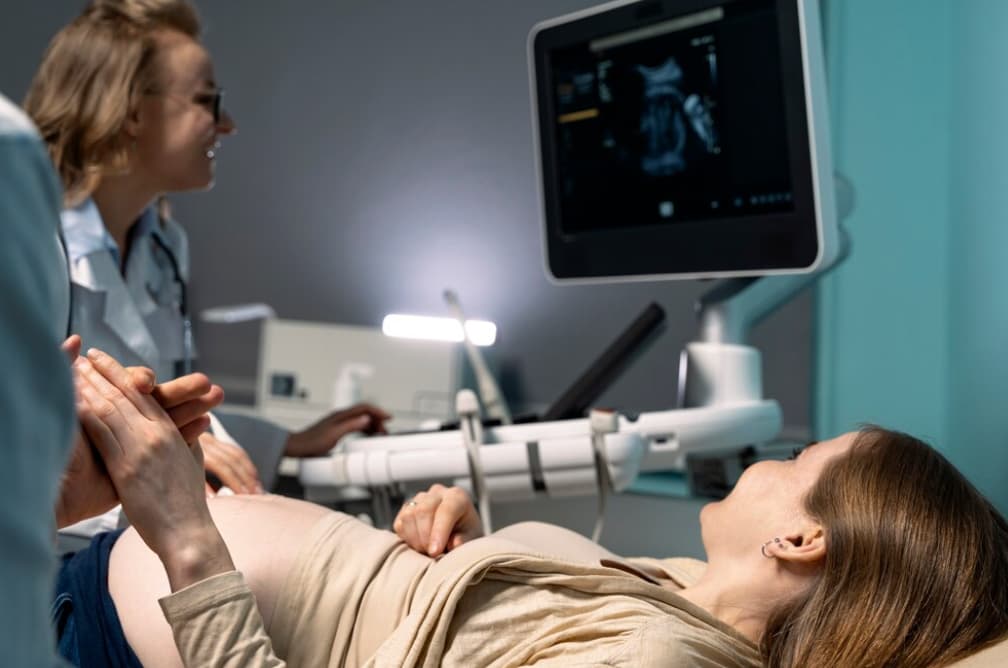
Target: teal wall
x,y
911,330
978,247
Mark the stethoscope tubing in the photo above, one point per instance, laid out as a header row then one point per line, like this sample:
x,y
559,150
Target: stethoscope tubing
x,y
187,336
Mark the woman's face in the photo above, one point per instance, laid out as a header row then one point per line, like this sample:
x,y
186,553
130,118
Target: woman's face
x,y
767,501
175,130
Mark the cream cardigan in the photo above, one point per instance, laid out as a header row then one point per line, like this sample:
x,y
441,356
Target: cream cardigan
x,y
531,594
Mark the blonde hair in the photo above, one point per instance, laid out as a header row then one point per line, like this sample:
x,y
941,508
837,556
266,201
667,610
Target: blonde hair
x,y
91,79
916,566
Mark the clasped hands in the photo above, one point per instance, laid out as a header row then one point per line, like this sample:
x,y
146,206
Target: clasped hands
x,y
129,427
138,443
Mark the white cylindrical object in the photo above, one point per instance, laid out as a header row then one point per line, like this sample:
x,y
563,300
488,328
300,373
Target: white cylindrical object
x,y
571,482
356,468
377,470
428,464
323,471
504,488
347,386
722,373
565,453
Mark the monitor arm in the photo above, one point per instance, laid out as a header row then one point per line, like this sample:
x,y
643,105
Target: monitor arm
x,y
720,367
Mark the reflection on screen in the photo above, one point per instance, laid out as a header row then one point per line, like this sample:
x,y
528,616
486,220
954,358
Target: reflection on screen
x,y
681,120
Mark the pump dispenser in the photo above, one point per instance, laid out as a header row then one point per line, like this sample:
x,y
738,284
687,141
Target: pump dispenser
x,y
347,387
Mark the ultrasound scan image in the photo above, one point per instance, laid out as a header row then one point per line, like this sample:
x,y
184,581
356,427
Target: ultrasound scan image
x,y
668,115
673,104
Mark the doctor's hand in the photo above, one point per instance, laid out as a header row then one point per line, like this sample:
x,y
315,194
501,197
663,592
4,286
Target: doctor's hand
x,y
438,520
322,436
187,399
230,465
156,473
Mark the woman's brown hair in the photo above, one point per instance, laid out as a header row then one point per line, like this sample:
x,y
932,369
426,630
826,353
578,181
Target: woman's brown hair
x,y
90,81
916,566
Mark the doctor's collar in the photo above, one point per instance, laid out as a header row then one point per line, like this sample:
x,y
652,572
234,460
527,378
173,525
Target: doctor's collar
x,y
85,231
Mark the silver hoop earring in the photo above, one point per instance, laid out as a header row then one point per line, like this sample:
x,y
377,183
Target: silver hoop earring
x,y
762,548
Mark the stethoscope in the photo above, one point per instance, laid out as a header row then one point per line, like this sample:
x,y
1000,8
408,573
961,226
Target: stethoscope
x,y
183,304
187,337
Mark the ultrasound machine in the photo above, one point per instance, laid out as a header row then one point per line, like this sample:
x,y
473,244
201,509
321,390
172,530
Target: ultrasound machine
x,y
674,139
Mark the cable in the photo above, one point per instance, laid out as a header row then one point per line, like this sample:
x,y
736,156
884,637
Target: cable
x,y
602,422
187,337
493,400
468,409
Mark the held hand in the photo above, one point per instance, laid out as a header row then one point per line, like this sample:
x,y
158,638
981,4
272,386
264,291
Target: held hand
x,y
320,438
438,520
85,488
158,476
230,464
187,398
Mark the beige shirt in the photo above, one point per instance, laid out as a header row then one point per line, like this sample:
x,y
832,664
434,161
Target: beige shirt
x,y
532,594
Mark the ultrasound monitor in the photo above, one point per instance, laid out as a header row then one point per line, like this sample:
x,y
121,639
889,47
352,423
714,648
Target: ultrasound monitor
x,y
683,139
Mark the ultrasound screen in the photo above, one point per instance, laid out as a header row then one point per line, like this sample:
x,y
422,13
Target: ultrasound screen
x,y
680,120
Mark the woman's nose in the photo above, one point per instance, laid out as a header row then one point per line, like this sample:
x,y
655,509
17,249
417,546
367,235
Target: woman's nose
x,y
226,125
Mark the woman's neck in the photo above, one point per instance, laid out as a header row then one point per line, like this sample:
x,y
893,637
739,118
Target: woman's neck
x,y
120,201
738,597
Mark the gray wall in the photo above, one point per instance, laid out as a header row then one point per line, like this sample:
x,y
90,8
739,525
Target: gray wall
x,y
384,154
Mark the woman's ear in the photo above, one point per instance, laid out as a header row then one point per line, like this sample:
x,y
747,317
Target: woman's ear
x,y
133,123
801,548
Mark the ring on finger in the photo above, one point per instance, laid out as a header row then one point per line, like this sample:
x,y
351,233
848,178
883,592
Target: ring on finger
x,y
411,503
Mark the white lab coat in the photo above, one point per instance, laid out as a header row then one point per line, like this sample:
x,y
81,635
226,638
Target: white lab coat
x,y
137,318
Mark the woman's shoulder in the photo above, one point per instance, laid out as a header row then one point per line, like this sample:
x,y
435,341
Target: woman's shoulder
x,y
14,122
666,641
683,640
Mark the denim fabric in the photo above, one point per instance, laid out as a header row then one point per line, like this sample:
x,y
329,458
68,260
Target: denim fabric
x,y
84,617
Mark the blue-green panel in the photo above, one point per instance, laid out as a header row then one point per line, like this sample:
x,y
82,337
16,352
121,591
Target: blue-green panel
x,y
882,317
978,245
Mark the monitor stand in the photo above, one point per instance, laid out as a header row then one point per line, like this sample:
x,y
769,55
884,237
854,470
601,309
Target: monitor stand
x,y
720,368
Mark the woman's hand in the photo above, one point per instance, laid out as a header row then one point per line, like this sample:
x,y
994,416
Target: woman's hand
x,y
85,487
438,520
157,474
230,465
187,400
322,436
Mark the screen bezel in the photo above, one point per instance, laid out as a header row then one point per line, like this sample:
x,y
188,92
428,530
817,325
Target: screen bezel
x,y
800,240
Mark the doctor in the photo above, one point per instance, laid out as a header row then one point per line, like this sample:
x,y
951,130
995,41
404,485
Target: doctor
x,y
128,104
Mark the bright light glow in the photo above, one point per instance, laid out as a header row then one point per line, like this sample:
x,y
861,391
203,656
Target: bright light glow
x,y
238,313
481,332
